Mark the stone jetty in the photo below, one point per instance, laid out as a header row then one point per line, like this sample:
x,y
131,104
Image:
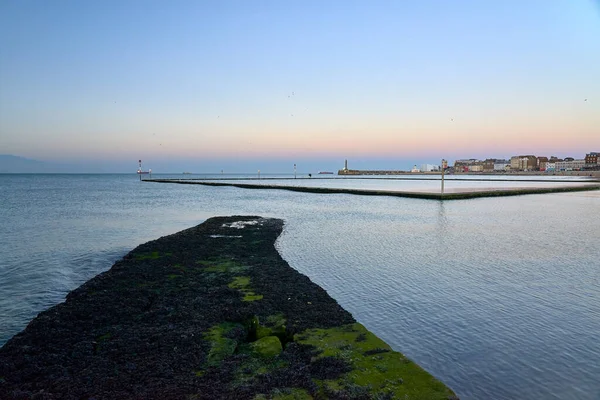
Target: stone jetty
x,y
211,312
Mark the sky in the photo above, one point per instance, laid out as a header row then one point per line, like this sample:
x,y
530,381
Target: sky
x,y
240,84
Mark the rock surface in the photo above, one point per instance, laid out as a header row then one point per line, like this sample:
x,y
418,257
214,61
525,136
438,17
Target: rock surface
x,y
211,312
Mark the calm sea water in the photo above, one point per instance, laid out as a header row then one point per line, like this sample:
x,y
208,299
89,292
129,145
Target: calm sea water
x,y
499,297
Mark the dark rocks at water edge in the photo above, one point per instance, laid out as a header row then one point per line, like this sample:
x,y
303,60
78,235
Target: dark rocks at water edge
x,y
212,312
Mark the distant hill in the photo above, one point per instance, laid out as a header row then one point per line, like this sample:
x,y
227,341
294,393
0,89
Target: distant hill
x,y
10,164
16,164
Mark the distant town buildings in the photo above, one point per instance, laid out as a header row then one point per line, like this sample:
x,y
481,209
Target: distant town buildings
x,y
523,163
469,165
592,158
501,165
542,163
519,163
573,165
529,162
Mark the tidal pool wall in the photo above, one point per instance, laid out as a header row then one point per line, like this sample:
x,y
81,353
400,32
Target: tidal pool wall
x,y
458,195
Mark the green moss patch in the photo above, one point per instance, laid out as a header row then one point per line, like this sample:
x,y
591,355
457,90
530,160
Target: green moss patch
x,y
275,325
266,347
221,346
222,265
376,368
276,320
254,367
242,283
250,296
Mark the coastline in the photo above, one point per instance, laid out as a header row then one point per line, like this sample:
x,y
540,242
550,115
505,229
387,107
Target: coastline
x,y
209,312
355,172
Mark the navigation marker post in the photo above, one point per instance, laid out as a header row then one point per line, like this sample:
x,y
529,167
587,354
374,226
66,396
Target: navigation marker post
x,y
443,162
294,171
140,169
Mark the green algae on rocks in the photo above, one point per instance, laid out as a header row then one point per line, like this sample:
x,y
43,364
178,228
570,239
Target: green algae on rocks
x,y
221,346
374,365
242,283
212,312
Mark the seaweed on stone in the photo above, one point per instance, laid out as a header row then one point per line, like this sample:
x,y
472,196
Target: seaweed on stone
x,y
373,365
242,283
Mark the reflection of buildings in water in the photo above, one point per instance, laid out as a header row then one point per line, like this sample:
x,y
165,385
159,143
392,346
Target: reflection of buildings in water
x,y
442,220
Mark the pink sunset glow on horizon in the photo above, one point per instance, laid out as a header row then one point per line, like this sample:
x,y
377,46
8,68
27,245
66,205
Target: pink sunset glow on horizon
x,y
386,80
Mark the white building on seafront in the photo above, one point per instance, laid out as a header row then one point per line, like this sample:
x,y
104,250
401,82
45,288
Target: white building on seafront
x,y
429,168
575,165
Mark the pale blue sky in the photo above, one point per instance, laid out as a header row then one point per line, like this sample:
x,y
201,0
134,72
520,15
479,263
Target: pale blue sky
x,y
402,82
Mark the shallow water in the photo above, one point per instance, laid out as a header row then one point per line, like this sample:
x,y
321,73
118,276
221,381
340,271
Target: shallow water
x,y
499,297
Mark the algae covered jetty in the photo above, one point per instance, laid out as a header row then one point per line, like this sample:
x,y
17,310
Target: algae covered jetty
x,y
211,312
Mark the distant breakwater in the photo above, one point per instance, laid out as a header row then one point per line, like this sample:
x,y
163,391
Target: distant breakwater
x,y
418,195
211,312
451,178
